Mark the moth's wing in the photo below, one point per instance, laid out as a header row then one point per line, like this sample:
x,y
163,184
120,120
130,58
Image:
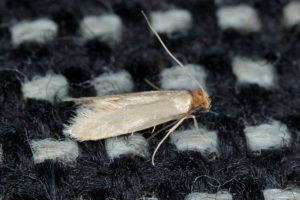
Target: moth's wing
x,y
114,102
113,115
133,98
102,102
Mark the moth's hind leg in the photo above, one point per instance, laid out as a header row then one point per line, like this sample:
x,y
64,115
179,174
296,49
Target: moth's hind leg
x,y
152,84
153,129
153,135
177,123
169,132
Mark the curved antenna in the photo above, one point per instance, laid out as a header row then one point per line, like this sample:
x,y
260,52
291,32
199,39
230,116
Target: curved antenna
x,y
170,54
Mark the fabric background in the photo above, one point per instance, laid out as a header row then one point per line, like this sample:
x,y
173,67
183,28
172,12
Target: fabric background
x,y
94,176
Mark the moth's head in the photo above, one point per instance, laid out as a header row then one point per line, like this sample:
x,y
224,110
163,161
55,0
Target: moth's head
x,y
201,100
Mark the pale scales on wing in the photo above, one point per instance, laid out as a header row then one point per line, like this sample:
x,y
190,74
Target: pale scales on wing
x,y
170,108
109,116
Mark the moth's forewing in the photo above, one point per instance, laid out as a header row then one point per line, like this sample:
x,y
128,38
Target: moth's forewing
x,y
114,115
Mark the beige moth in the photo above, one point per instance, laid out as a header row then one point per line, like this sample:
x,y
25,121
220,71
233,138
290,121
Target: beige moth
x,y
114,115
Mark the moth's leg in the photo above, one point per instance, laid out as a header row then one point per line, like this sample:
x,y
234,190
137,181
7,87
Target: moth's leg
x,y
153,135
152,84
153,129
169,132
132,133
161,130
196,124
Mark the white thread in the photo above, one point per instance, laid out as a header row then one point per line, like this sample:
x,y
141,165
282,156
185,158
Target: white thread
x,y
113,83
205,196
175,78
272,135
279,194
40,31
175,20
124,145
46,88
190,140
258,72
240,17
291,13
106,27
63,151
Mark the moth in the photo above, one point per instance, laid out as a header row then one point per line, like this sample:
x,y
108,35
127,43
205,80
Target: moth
x,y
114,115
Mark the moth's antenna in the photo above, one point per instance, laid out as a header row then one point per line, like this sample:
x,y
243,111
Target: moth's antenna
x,y
170,54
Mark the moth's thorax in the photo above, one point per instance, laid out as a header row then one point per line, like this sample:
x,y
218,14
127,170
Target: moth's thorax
x,y
182,101
200,99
